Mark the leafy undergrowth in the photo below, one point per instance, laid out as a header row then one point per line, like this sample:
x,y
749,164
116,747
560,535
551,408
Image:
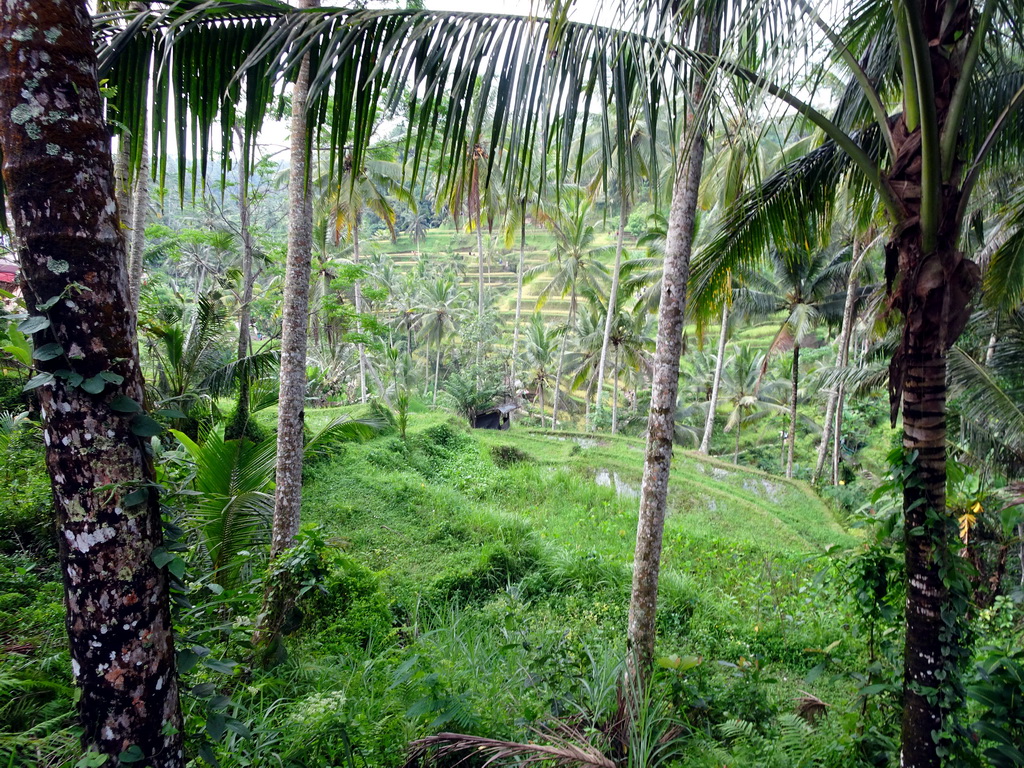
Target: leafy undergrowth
x,y
478,582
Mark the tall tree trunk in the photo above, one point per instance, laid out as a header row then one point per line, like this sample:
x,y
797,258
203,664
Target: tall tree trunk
x,y
241,419
665,374
60,183
615,393
291,406
842,358
437,370
140,207
358,290
791,442
561,359
426,368
122,179
716,384
924,431
519,291
613,298
475,192
736,450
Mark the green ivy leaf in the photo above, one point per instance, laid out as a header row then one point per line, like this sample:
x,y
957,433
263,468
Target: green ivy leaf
x,y
48,304
94,385
136,497
34,324
132,755
187,660
113,378
37,381
206,753
92,759
144,426
237,726
161,557
203,690
177,567
215,726
220,665
48,351
124,404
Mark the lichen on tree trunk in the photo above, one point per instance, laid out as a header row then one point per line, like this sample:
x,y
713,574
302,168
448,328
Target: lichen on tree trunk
x,y
60,180
291,406
664,389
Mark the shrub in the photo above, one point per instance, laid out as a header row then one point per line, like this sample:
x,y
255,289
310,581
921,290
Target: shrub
x,y
500,564
352,610
506,455
446,436
26,506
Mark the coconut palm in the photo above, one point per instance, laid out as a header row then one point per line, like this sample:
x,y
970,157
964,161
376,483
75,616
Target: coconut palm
x,y
748,397
806,287
539,347
575,267
442,313
369,187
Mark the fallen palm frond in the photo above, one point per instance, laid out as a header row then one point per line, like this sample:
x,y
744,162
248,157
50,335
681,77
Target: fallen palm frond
x,y
561,752
810,707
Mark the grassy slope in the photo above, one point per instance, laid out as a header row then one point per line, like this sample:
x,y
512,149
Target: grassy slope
x,y
552,548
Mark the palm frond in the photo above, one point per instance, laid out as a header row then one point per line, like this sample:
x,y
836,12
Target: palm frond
x,y
981,399
562,753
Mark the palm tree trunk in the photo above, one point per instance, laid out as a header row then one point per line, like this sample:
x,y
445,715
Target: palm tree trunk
x,y
519,291
612,302
716,384
426,368
792,410
480,267
241,419
842,358
615,393
280,593
437,370
542,406
924,431
561,359
291,406
140,207
357,289
661,420
122,179
736,451
59,178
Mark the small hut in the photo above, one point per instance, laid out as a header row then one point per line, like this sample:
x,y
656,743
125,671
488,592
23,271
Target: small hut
x,y
499,417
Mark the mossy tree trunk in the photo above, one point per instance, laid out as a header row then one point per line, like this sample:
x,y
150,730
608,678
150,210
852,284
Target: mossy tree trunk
x,y
61,192
641,630
291,408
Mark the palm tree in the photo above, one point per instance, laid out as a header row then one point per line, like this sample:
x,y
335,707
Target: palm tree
x,y
947,65
574,268
108,515
661,428
371,187
442,312
806,287
540,350
631,345
292,397
747,395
